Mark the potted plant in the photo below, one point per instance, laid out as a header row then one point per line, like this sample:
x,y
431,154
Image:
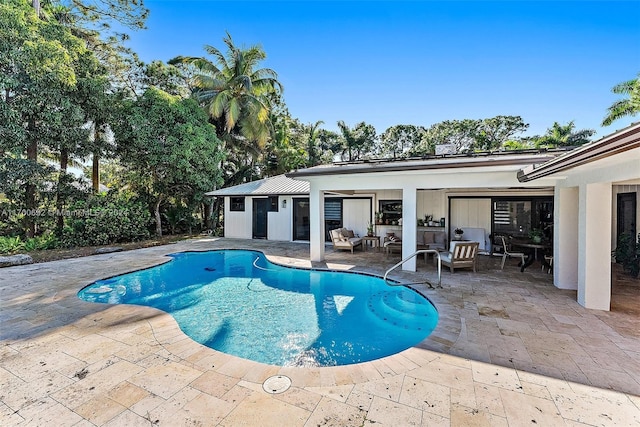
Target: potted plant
x,y
627,253
379,216
536,235
370,229
458,232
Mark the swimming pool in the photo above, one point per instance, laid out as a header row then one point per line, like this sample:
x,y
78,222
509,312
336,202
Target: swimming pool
x,y
238,302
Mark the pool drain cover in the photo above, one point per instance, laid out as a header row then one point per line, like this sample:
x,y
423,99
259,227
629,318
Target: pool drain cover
x,y
276,384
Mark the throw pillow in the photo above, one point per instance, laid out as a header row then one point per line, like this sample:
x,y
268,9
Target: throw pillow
x,y
348,233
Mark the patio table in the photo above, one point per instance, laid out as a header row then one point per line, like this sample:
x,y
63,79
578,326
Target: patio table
x,y
535,247
375,242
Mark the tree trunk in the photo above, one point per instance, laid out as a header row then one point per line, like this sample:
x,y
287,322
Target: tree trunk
x,y
206,214
215,220
95,173
64,162
158,219
30,191
95,168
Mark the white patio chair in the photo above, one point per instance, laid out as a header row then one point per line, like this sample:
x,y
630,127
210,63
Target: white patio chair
x,y
508,253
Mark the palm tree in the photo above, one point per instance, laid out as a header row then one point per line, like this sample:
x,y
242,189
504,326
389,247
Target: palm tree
x,y
311,143
236,93
624,107
564,136
359,140
238,97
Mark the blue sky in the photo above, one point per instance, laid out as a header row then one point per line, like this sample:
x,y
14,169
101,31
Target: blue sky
x,y
421,62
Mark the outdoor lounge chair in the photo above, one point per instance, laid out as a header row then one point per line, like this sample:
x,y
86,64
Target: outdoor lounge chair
x,y
345,239
461,255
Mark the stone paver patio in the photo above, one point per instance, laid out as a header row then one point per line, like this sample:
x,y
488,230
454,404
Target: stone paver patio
x,y
509,349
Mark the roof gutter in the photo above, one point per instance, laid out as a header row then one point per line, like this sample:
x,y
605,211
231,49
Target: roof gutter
x,y
624,140
255,195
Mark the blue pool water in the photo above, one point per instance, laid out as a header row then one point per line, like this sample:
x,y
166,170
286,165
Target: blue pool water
x,y
238,302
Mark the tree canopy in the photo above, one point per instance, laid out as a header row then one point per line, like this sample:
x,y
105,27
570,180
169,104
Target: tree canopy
x,y
169,147
401,141
358,142
563,136
72,93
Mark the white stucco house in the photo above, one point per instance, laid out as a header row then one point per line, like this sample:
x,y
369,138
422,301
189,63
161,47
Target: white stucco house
x,y
582,199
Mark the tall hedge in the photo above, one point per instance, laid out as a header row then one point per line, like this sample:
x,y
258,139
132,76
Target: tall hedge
x,y
105,219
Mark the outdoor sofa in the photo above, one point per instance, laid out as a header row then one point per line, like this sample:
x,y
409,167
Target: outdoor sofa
x,y
345,239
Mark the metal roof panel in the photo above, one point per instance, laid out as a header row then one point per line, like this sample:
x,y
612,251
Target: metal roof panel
x,y
279,184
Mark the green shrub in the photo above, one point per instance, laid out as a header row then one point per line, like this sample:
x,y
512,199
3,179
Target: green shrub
x,y
10,245
105,219
46,241
628,253
179,219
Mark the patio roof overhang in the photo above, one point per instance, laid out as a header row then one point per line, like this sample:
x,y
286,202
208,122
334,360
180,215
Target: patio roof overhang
x,y
618,142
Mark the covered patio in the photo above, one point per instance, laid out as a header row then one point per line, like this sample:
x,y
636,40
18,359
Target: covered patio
x,y
582,181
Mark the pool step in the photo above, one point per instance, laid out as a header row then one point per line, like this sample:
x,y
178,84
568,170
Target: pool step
x,y
409,302
392,309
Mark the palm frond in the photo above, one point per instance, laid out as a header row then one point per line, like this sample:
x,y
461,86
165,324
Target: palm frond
x,y
617,110
219,104
233,110
243,81
207,82
624,107
256,132
267,85
264,73
219,56
202,64
245,145
624,88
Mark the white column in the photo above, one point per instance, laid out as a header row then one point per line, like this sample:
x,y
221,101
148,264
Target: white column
x,y
594,246
565,237
409,225
316,223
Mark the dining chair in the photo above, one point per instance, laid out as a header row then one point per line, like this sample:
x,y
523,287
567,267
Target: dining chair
x,y
549,260
506,253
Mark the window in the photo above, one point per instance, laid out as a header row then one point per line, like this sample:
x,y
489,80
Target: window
x,y
512,217
237,204
518,216
273,203
391,211
332,214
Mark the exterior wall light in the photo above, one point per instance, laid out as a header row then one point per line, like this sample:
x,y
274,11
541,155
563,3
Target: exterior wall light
x,y
284,203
